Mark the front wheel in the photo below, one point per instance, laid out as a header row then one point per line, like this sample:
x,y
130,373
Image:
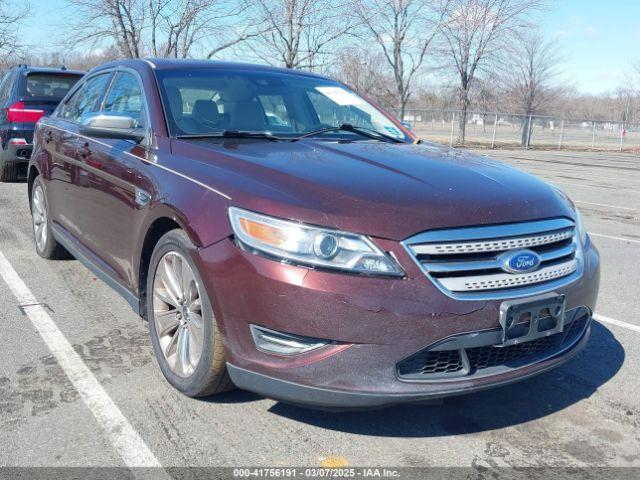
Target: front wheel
x,y
185,335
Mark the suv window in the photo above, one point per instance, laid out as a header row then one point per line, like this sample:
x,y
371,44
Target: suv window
x,y
125,98
85,99
50,85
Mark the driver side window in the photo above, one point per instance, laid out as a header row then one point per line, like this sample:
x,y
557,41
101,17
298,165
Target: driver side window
x,y
86,99
125,98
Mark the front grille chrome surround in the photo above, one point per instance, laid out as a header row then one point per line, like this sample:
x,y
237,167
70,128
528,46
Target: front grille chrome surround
x,y
465,263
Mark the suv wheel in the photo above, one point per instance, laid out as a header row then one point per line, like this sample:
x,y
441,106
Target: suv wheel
x,y
8,170
46,245
184,332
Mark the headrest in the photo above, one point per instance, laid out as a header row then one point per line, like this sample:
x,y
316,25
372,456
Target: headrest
x,y
175,101
206,110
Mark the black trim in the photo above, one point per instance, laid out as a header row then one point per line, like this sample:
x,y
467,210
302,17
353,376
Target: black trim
x,y
409,369
325,398
76,251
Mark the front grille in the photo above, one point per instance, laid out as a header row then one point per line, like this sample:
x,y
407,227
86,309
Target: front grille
x,y
467,262
430,363
485,357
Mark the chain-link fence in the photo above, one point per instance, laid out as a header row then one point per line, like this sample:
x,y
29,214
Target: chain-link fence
x,y
503,130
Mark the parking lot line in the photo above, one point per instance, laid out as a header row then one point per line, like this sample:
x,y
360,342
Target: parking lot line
x,y
613,321
611,237
129,445
607,205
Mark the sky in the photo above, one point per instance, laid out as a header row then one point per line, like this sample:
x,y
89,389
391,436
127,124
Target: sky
x,y
598,39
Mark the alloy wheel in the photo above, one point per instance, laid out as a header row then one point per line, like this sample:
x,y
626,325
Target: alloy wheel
x,y
39,216
177,313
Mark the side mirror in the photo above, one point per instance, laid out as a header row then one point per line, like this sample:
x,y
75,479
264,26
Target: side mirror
x,y
119,127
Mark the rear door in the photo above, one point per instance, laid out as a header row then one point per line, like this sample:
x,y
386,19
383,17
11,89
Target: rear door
x,y
61,136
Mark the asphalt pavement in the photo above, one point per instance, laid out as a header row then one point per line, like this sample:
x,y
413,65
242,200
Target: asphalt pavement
x,y
584,414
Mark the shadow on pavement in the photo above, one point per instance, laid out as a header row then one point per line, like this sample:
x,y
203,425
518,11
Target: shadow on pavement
x,y
492,409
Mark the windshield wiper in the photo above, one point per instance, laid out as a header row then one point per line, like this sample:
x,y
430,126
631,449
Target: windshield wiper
x,y
347,127
231,134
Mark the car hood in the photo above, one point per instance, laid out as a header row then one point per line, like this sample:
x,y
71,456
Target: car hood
x,y
380,189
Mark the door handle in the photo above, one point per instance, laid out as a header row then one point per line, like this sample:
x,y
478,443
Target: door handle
x,y
85,151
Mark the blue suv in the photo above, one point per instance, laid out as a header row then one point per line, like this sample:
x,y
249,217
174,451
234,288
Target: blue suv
x,y
26,95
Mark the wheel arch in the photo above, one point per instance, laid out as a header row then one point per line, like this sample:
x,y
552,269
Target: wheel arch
x,y
31,176
155,231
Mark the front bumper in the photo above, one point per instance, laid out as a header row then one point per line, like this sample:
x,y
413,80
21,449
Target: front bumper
x,y
327,398
374,324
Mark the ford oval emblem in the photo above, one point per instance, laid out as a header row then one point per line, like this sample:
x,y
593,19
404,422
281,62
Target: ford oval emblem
x,y
520,261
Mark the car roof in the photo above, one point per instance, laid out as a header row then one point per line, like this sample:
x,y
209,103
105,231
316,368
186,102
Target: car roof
x,y
29,69
179,64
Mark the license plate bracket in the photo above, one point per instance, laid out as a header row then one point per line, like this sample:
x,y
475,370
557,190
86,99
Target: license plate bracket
x,y
527,319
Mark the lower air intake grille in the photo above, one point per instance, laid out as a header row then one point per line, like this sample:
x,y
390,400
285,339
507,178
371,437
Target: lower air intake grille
x,y
485,357
436,364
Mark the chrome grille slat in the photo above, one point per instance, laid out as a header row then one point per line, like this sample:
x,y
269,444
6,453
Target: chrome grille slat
x,y
456,266
507,280
467,263
493,245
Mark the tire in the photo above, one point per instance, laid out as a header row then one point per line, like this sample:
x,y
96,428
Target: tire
x,y
46,245
174,317
8,171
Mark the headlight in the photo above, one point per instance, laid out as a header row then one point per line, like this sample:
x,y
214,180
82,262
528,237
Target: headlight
x,y
580,227
314,246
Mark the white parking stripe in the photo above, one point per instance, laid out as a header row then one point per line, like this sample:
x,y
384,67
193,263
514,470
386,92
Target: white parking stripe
x,y
607,205
121,434
622,239
618,323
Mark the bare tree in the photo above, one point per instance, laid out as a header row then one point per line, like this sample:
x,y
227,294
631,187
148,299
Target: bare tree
x,y
477,32
360,69
301,33
532,68
404,30
178,26
10,14
119,21
163,28
178,23
76,60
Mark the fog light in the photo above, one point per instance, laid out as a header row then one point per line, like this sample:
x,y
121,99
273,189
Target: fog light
x,y
279,343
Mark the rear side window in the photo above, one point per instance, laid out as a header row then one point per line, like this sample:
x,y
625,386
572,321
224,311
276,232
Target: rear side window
x,y
125,98
85,99
48,85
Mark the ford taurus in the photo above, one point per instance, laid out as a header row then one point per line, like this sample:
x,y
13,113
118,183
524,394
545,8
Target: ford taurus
x,y
285,235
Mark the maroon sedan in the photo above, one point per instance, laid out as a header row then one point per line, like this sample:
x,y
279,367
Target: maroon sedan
x,y
281,233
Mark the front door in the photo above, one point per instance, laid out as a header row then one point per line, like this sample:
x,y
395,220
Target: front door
x,y
107,203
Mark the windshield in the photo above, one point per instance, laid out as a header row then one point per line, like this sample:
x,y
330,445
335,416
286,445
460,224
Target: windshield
x,y
211,101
